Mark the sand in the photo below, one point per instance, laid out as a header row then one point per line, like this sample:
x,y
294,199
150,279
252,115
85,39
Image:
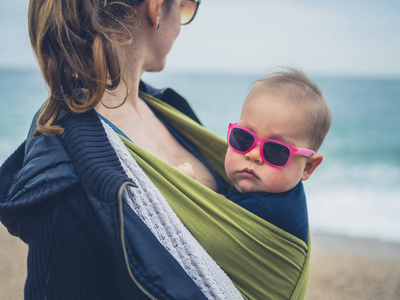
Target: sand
x,y
344,268
12,266
341,268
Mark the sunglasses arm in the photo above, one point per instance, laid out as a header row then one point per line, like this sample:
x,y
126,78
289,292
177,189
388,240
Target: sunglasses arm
x,y
303,152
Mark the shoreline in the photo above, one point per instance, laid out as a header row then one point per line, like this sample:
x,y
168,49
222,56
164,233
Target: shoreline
x,y
341,268
345,245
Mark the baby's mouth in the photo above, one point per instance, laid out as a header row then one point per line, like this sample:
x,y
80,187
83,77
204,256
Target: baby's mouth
x,y
248,173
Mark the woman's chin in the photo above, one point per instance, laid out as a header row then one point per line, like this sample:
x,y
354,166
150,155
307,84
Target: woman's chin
x,y
157,67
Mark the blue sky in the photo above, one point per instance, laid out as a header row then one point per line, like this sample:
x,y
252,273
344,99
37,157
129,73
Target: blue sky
x,y
324,37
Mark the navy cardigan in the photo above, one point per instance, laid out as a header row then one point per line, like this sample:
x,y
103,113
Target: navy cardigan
x,y
59,194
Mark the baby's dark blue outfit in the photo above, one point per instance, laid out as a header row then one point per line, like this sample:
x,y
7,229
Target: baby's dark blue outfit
x,y
287,210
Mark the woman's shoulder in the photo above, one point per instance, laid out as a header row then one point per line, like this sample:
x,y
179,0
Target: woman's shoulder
x,y
46,164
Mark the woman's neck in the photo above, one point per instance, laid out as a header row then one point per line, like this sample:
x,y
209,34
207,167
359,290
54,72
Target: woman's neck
x,y
122,100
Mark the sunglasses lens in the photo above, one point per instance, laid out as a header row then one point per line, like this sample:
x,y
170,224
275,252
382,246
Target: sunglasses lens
x,y
188,10
240,140
276,154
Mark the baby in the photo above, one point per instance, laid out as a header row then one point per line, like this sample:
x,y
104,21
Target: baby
x,y
273,148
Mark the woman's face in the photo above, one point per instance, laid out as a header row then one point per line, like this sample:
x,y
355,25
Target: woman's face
x,y
169,21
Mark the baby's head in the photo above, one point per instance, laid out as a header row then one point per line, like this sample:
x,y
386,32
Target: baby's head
x,y
289,109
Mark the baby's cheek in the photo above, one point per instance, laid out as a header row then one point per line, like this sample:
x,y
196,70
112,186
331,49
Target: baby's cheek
x,y
272,185
277,181
231,162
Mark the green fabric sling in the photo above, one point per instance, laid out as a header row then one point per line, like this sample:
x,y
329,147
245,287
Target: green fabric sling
x,y
263,261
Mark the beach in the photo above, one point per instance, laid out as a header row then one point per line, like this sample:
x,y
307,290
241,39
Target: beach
x,y
341,268
345,268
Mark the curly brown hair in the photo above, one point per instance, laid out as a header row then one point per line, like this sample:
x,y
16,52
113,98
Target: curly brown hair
x,y
73,41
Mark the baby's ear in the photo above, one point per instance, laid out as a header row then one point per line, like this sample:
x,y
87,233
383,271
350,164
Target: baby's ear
x,y
312,163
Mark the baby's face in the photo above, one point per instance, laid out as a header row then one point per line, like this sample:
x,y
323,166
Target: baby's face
x,y
269,115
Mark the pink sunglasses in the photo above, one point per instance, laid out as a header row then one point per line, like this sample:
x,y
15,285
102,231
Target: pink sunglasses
x,y
274,153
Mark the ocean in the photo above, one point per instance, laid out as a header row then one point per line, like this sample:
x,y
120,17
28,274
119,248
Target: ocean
x,y
356,190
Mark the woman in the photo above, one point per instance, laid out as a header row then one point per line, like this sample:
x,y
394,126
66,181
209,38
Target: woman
x,y
94,190
62,191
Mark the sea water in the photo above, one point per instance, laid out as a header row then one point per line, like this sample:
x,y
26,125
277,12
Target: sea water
x,y
355,191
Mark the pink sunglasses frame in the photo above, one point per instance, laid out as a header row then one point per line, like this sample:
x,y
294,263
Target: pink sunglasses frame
x,y
260,141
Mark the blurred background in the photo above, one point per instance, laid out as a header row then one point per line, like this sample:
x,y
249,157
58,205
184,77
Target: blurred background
x,y
349,48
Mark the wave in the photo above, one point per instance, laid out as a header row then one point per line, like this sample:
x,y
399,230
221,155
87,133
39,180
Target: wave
x,y
356,201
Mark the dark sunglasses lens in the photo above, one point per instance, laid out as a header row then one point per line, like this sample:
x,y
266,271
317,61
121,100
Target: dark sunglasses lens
x,y
276,154
188,10
240,140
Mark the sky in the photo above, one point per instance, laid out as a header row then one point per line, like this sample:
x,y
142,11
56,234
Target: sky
x,y
341,37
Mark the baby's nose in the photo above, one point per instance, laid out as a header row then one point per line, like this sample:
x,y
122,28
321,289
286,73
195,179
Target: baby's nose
x,y
254,155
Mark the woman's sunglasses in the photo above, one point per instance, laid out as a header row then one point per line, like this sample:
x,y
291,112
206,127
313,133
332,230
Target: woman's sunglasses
x,y
188,10
274,153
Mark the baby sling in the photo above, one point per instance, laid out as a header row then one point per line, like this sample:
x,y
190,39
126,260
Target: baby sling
x,y
263,261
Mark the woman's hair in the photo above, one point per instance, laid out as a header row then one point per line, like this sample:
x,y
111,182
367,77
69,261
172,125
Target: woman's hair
x,y
297,87
73,41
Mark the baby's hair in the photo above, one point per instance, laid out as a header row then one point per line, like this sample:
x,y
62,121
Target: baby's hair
x,y
296,86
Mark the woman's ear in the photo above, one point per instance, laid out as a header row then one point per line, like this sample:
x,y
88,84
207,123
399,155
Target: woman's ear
x,y
312,163
153,12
